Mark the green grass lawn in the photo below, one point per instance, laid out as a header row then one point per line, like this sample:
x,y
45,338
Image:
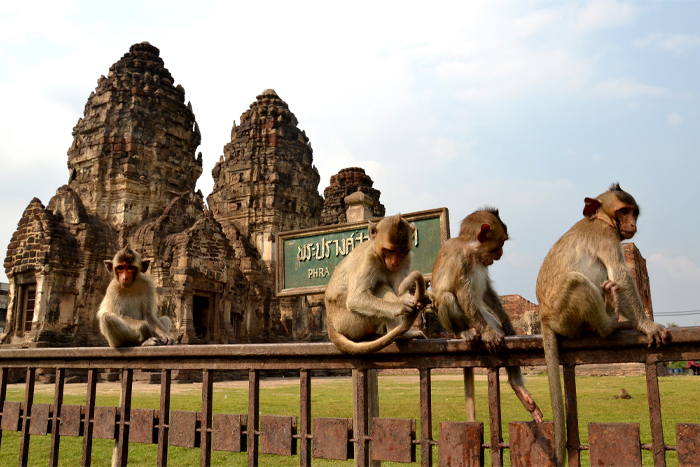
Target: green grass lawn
x,y
398,396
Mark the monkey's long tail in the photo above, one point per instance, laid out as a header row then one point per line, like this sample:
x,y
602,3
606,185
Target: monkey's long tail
x,y
357,348
551,354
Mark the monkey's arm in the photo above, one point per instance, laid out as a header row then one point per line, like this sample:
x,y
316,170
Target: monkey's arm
x,y
631,306
475,316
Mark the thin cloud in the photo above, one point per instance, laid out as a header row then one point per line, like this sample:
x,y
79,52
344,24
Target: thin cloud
x,y
677,44
624,88
674,119
605,13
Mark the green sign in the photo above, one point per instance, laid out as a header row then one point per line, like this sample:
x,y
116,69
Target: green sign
x,y
306,258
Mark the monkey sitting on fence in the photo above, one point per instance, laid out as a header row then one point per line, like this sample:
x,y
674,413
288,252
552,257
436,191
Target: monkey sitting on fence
x,y
369,290
466,301
127,314
584,284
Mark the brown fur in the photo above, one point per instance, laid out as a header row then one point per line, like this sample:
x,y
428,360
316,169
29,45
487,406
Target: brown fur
x,y
584,283
466,301
364,295
127,314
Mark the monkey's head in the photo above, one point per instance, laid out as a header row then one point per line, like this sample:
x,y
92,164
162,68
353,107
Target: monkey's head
x,y
392,240
486,227
616,207
126,266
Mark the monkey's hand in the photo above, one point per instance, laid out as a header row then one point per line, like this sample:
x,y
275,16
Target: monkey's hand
x,y
492,340
656,333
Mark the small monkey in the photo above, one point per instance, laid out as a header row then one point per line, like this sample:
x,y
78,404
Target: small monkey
x,y
623,394
369,290
466,302
127,314
584,283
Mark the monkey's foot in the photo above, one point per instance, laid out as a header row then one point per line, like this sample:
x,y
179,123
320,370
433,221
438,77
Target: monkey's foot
x,y
528,402
612,298
470,336
657,335
151,341
493,341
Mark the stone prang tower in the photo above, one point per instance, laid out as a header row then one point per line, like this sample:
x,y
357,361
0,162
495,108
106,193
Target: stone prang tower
x,y
133,152
266,182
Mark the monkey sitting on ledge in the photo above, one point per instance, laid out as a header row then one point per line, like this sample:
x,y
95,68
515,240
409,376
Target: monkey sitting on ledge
x,y
369,290
127,314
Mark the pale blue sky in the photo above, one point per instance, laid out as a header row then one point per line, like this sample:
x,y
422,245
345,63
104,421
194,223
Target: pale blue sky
x,y
528,106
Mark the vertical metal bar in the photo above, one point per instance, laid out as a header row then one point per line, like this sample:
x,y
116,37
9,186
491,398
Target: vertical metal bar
x,y
26,419
657,428
305,416
164,418
426,419
572,433
495,417
4,374
205,425
253,416
469,393
89,412
57,403
359,378
122,447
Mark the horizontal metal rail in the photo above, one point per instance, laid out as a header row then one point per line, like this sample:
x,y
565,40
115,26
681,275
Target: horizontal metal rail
x,y
391,439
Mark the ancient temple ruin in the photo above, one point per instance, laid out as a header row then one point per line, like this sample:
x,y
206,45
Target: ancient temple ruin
x,y
132,174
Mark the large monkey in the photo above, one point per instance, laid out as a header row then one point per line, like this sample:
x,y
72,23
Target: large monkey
x,y
127,314
584,283
369,290
466,301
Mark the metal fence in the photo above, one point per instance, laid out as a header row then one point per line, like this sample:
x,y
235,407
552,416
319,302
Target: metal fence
x,y
459,444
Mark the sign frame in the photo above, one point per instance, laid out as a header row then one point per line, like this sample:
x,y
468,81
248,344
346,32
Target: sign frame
x,y
441,213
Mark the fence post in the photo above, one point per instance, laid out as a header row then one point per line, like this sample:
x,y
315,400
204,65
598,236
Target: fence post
x,y
359,417
253,417
89,411
426,419
164,418
205,425
657,427
122,447
305,416
57,403
28,400
495,417
571,415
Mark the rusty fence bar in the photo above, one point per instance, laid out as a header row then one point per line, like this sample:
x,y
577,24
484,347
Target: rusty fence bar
x,y
374,438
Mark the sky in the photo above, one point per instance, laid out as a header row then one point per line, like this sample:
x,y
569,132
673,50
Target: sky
x,y
529,106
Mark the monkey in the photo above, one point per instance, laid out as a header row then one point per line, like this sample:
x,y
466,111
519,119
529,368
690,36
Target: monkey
x,y
127,314
370,290
466,301
584,283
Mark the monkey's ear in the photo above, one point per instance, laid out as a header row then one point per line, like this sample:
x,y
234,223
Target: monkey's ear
x,y
372,230
144,264
591,207
413,227
108,265
481,236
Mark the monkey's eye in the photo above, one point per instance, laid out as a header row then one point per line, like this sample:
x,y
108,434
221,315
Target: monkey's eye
x,y
119,268
131,268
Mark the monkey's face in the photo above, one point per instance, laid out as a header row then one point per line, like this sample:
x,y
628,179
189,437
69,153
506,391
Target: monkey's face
x,y
125,274
393,257
490,252
627,220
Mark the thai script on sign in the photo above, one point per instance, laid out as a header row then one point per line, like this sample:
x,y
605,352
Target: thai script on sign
x,y
322,249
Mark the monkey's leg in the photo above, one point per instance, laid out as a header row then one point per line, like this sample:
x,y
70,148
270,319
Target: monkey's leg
x,y
118,332
517,382
469,394
578,304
